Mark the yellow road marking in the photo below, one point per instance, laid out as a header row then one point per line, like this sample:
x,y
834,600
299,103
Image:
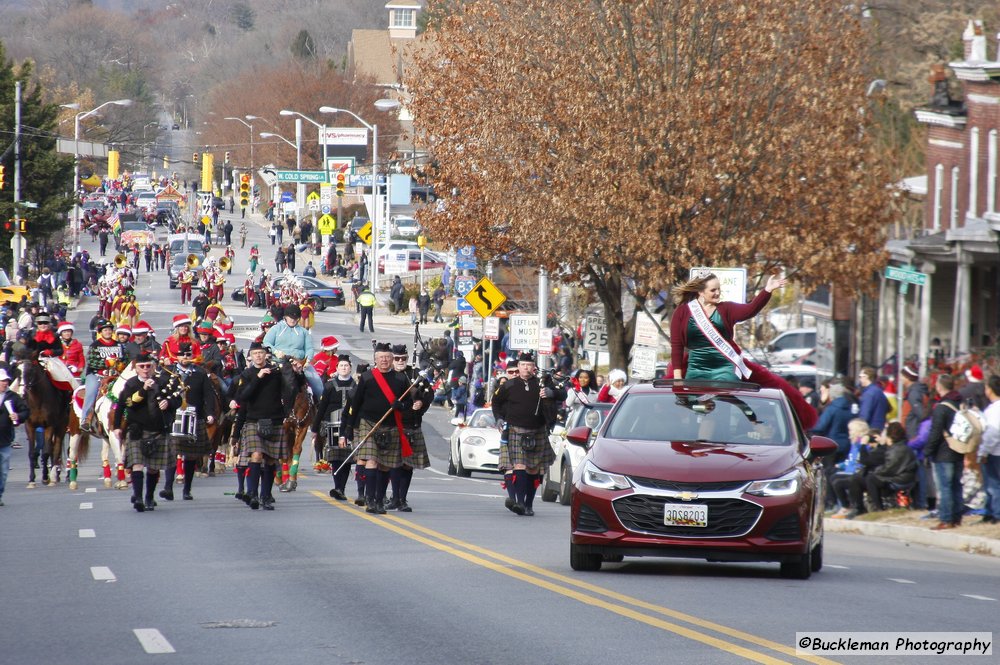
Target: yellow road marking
x,y
407,529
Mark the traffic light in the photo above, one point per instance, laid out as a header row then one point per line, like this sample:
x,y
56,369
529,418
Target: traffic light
x,y
8,226
244,190
23,225
341,184
227,157
194,158
3,173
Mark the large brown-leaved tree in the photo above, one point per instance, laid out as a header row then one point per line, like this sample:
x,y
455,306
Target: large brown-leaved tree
x,y
623,141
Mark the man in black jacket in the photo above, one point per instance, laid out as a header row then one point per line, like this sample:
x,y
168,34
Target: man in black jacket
x,y
947,463
897,472
327,423
529,408
263,441
201,396
13,412
423,397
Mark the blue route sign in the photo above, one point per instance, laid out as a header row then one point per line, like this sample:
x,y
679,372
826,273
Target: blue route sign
x,y
287,197
463,285
466,258
463,305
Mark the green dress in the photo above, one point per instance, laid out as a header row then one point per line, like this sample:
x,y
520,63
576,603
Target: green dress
x,y
704,360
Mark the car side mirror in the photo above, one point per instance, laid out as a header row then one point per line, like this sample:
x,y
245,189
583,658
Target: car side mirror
x,y
820,446
579,436
770,348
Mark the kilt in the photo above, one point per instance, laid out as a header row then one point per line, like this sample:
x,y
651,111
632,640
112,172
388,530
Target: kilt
x,y
164,456
252,442
503,461
199,446
538,456
419,459
390,456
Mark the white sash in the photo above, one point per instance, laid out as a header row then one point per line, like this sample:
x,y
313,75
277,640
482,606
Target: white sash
x,y
713,335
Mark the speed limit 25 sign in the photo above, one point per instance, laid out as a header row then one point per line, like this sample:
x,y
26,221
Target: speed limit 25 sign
x,y
595,334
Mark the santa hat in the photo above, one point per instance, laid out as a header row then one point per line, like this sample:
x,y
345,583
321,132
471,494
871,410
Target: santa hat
x,y
65,325
181,320
142,328
230,338
910,373
123,329
974,374
330,343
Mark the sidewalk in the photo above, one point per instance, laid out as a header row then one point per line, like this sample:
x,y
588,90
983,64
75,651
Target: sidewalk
x,y
907,527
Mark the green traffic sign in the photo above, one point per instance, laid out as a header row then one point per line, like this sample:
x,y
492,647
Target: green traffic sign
x,y
906,275
301,176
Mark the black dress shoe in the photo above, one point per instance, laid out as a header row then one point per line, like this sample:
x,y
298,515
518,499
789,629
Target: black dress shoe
x,y
404,507
139,508
150,504
380,507
393,504
360,501
518,508
508,503
187,496
267,503
528,512
239,496
254,503
167,494
370,507
338,495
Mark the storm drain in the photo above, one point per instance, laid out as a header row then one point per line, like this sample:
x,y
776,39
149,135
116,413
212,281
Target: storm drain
x,y
239,623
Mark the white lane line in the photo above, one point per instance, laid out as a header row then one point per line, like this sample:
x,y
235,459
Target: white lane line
x,y
86,505
975,597
830,565
90,490
488,496
153,640
88,533
899,580
102,574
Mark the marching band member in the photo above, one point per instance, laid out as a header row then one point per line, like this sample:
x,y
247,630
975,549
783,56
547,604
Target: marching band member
x,y
182,333
249,294
231,255
379,391
145,416
262,442
254,259
423,397
186,280
214,311
517,403
102,357
72,349
327,422
218,288
198,393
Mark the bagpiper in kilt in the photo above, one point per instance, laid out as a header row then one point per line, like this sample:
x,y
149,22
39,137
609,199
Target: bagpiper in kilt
x,y
423,397
146,412
326,425
528,408
263,442
201,396
381,396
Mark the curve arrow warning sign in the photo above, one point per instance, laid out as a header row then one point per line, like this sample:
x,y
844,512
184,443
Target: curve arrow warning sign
x,y
485,297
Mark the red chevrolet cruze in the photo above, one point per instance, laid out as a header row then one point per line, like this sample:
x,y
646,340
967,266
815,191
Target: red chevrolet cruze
x,y
717,471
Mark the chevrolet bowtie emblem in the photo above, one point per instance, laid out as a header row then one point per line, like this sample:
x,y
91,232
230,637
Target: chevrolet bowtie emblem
x,y
688,496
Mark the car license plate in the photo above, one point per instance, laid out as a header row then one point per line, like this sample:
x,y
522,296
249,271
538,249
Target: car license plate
x,y
685,514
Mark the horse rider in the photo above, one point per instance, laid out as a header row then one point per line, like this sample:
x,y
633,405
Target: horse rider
x,y
262,443
205,332
124,336
182,333
142,336
102,356
423,397
380,391
72,349
523,402
327,359
292,345
199,394
326,424
145,415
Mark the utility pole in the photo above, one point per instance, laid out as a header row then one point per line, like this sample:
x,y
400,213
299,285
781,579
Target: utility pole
x,y
17,240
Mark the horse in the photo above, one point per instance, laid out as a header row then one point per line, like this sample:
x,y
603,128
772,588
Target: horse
x,y
49,409
296,426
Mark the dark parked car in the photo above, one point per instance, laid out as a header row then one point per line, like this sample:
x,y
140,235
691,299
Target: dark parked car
x,y
717,471
325,295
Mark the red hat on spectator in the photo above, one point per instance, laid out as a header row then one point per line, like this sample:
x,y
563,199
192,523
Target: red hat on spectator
x,y
974,374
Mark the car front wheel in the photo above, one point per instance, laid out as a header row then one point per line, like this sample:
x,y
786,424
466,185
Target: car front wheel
x,y
548,494
460,470
451,465
565,483
816,558
797,568
582,560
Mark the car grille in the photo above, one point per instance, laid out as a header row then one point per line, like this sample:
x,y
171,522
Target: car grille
x,y
726,517
787,528
674,486
588,520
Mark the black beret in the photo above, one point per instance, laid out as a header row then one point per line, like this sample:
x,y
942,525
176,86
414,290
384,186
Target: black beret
x,y
382,347
145,357
525,357
399,349
255,345
343,358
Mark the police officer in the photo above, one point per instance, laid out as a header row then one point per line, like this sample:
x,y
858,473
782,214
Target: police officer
x,y
528,408
199,393
263,442
326,425
423,397
146,412
375,417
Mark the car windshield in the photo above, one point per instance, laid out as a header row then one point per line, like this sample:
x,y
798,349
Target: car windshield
x,y
134,226
483,418
703,417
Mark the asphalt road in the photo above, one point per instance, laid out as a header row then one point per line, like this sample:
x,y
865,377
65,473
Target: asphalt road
x,y
86,580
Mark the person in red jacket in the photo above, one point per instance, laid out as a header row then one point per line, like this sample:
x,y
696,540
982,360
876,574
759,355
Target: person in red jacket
x,y
172,345
325,362
72,349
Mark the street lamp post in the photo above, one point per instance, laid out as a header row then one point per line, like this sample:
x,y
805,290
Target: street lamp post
x,y
298,151
142,148
76,161
323,166
248,125
381,105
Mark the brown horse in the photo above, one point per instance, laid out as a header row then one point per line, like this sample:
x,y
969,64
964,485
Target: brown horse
x,y
296,427
48,419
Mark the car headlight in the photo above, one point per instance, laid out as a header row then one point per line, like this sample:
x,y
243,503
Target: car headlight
x,y
474,441
786,485
595,477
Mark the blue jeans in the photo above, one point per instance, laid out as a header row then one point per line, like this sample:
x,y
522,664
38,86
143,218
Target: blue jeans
x,y
922,482
991,480
948,476
315,382
5,453
91,382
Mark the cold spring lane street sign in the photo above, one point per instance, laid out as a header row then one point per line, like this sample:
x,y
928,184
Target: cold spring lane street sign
x,y
301,176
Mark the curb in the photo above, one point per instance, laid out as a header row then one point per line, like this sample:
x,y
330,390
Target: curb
x,y
917,535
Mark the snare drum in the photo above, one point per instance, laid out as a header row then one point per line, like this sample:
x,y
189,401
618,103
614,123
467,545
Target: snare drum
x,y
185,424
